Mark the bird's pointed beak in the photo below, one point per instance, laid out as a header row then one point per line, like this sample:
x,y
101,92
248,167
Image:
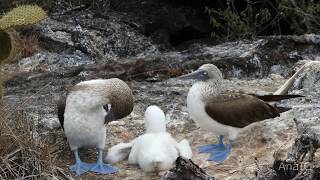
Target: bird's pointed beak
x,y
110,117
197,75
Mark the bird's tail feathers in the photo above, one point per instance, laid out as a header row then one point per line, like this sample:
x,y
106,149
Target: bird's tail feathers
x,y
282,109
272,97
61,105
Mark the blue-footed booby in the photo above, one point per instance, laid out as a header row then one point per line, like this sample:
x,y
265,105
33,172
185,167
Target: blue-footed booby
x,y
83,114
224,112
156,150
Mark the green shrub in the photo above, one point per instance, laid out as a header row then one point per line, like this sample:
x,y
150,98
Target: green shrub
x,y
258,18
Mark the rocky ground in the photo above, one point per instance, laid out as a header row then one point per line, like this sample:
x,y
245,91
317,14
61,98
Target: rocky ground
x,y
81,45
259,141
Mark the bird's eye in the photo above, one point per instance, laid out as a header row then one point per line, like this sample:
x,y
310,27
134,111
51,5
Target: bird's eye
x,y
205,73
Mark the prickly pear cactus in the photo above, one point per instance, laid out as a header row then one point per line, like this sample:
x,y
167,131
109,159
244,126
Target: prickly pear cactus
x,y
22,16
6,45
8,52
9,46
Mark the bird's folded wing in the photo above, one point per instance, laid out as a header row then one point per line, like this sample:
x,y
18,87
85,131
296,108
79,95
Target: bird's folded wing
x,y
271,97
119,152
61,105
238,109
184,149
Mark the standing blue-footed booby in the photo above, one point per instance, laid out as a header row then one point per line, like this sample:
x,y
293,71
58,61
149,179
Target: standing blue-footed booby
x,y
224,112
156,150
83,116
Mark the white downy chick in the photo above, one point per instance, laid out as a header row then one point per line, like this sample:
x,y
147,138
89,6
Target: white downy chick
x,y
155,150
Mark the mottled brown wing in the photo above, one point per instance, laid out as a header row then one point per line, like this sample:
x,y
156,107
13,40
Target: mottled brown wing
x,y
239,110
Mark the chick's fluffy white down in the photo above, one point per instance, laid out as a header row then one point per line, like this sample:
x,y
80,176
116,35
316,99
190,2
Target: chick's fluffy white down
x,y
154,152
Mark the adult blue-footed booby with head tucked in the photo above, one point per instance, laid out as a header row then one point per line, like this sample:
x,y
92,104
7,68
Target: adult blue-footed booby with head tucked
x,y
83,116
224,112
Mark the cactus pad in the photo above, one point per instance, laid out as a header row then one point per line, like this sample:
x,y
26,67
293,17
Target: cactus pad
x,y
6,45
9,50
21,16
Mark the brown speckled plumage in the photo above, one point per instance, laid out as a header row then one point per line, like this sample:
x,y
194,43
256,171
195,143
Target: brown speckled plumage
x,y
240,110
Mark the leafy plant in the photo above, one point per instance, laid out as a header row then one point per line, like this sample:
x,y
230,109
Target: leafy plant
x,y
254,18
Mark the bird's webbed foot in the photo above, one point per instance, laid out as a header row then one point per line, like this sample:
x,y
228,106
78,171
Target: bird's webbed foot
x,y
220,156
80,167
212,148
218,152
103,168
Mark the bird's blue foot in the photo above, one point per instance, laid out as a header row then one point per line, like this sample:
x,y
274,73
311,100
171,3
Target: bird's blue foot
x,y
218,152
213,148
103,168
220,156
80,167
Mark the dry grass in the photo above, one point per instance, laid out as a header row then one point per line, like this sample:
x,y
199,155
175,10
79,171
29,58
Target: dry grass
x,y
29,44
22,156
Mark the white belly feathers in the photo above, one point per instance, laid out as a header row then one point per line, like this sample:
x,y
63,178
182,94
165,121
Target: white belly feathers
x,y
84,127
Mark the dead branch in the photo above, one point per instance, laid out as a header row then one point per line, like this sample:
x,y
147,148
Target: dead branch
x,y
306,143
186,170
